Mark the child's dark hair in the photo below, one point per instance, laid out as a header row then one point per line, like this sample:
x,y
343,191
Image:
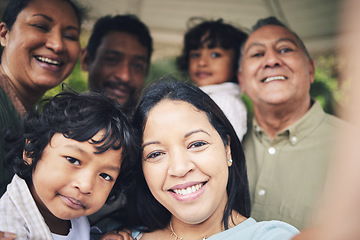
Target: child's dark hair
x,y
79,116
218,34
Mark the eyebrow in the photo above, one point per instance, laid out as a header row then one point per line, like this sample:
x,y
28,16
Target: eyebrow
x,y
186,136
277,41
113,168
76,148
149,143
196,131
50,19
120,53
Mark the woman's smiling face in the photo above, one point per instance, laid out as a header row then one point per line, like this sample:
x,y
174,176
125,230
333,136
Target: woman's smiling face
x,y
42,47
185,161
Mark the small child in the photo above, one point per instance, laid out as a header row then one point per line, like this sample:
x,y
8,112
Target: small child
x,y
67,165
210,56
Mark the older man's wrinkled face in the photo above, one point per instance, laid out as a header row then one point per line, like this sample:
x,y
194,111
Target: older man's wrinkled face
x,y
275,68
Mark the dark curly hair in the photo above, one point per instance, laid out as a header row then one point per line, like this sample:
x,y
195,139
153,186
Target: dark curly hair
x,y
78,116
218,34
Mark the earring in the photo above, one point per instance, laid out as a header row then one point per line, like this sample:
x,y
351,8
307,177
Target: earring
x,y
230,160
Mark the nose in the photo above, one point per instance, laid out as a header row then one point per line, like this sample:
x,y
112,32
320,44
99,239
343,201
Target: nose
x,y
123,72
180,164
55,42
203,61
272,59
84,181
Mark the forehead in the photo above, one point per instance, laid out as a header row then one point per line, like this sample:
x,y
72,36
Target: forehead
x,y
270,34
174,110
59,11
123,41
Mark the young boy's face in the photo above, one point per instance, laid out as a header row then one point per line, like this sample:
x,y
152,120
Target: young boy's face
x,y
208,66
70,180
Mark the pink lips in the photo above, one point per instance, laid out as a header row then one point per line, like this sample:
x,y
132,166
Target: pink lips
x,y
203,74
72,202
179,191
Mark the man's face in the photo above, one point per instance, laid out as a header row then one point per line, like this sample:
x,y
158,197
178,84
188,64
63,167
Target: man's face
x,y
119,67
274,68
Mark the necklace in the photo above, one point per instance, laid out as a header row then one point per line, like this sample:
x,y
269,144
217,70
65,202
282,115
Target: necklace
x,y
176,236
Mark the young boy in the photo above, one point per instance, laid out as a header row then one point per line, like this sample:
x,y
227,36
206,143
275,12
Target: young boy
x,y
67,165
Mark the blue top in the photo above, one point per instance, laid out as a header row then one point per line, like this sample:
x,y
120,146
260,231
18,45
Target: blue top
x,y
251,230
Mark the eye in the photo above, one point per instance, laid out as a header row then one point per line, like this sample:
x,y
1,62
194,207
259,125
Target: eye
x,y
285,50
194,55
153,155
73,161
139,67
107,177
258,54
197,144
42,27
215,55
72,37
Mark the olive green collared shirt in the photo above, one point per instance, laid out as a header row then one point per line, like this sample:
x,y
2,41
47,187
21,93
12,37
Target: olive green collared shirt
x,y
287,174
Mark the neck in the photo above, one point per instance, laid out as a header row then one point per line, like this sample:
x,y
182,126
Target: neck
x,y
27,96
274,118
184,231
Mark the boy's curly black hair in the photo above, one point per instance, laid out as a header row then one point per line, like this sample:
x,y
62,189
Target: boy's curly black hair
x,y
79,116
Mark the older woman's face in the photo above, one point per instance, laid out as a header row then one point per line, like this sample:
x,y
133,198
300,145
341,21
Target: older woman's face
x,y
42,47
185,162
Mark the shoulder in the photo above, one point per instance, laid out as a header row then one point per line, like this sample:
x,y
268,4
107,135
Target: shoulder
x,y
265,230
11,219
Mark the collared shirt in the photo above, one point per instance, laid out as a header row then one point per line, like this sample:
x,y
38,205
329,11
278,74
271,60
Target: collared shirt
x,y
287,173
19,214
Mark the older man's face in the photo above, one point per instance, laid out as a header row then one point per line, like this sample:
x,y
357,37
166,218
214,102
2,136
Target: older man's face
x,y
274,67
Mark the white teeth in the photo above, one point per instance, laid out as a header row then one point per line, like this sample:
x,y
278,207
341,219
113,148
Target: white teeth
x,y
269,79
188,190
48,60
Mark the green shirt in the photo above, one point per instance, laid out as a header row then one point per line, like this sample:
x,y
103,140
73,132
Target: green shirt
x,y
9,119
287,174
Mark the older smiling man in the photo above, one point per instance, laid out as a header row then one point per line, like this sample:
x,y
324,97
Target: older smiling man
x,y
288,147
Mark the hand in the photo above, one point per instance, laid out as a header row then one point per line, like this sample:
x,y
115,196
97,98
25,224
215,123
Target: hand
x,y
7,236
118,235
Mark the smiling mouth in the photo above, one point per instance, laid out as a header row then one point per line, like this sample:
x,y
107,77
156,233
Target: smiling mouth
x,y
275,78
188,190
48,60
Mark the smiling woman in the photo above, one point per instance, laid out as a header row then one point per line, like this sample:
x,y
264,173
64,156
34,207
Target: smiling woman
x,y
40,40
192,180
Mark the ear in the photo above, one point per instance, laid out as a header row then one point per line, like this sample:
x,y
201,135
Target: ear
x,y
3,34
312,71
26,158
84,59
228,152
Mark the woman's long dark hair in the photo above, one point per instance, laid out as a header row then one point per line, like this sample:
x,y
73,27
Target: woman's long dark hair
x,y
148,211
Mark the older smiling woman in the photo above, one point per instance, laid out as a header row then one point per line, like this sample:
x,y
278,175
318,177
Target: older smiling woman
x,y
40,40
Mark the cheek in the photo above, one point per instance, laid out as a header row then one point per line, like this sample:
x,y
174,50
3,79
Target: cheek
x,y
154,177
74,51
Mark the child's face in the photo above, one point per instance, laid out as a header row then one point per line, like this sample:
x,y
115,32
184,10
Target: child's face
x,y
70,180
211,66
